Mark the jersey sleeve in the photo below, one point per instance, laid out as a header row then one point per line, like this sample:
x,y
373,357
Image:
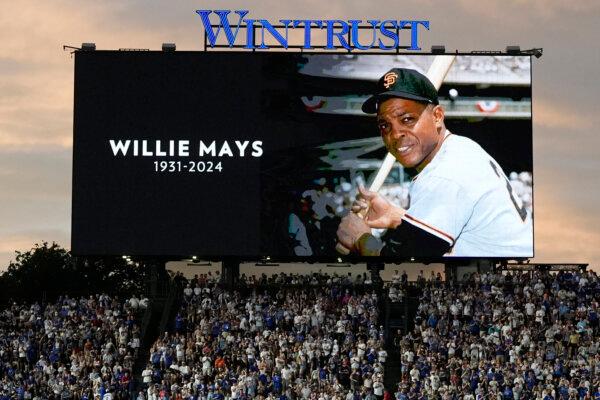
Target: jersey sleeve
x,y
407,240
440,207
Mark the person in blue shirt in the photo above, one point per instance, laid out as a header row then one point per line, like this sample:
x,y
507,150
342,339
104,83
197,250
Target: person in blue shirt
x,y
277,385
54,356
424,369
168,359
582,391
30,353
323,374
563,309
557,371
371,356
263,378
269,322
20,392
432,321
550,353
593,319
155,357
401,395
499,377
563,391
530,380
179,323
210,395
507,394
474,380
226,326
216,329
218,396
474,328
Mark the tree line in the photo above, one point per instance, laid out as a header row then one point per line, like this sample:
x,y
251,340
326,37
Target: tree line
x,y
48,271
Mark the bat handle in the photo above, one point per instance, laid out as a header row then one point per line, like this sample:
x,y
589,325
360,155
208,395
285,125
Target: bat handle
x,y
384,171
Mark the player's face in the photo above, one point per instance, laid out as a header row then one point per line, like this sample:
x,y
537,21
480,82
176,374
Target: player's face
x,y
410,130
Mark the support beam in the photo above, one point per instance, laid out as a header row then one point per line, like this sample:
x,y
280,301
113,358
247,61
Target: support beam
x,y
230,273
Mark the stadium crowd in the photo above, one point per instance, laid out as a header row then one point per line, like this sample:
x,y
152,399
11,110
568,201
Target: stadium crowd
x,y
73,348
305,337
303,280
503,336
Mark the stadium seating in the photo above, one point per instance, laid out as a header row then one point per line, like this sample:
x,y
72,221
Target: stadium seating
x,y
79,348
283,337
504,335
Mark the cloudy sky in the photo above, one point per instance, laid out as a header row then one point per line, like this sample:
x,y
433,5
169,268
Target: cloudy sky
x,y
36,96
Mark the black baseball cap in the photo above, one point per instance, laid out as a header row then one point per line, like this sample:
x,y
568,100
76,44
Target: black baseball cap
x,y
404,83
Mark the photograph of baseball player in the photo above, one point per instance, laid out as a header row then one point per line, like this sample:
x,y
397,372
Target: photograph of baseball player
x,y
462,204
459,183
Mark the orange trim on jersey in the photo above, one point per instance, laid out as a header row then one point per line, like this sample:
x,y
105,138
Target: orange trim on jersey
x,y
443,140
440,232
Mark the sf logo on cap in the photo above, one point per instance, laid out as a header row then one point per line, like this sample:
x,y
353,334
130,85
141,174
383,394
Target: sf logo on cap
x,y
389,79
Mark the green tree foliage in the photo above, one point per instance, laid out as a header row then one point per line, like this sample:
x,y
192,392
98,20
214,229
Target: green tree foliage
x,y
48,271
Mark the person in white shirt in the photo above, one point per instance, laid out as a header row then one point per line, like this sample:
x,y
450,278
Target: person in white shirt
x,y
539,315
530,310
461,202
378,389
147,375
184,369
134,302
414,374
382,356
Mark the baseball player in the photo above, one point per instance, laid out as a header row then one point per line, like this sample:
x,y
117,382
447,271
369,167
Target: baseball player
x,y
461,204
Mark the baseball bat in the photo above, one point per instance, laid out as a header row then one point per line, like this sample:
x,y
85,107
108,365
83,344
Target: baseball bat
x,y
436,73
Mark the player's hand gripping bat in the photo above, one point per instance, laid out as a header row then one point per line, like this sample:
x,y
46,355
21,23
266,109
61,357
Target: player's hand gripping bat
x,y
436,73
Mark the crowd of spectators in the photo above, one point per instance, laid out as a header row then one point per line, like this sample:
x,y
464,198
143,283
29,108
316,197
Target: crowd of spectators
x,y
398,287
515,335
497,335
72,348
303,280
309,337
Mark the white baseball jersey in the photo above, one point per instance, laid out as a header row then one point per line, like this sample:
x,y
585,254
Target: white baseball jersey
x,y
463,197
